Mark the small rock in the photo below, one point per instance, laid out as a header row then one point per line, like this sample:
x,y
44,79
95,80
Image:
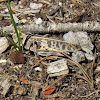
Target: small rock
x,y
38,69
1,70
38,21
89,56
3,60
97,80
60,3
71,38
31,11
36,6
3,44
6,10
79,38
82,39
85,41
58,68
21,6
98,68
4,83
78,56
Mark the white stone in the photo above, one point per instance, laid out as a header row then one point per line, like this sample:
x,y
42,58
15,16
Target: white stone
x,y
97,68
38,21
6,10
60,4
89,56
58,68
79,38
3,60
4,83
97,80
70,37
38,69
78,56
84,41
35,5
3,44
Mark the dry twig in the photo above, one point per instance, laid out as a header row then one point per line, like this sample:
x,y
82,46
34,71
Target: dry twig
x,y
87,77
61,77
91,94
48,27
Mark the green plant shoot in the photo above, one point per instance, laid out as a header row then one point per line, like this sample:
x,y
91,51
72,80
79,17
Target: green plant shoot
x,y
16,31
14,24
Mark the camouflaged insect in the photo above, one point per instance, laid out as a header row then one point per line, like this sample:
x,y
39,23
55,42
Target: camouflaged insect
x,y
47,46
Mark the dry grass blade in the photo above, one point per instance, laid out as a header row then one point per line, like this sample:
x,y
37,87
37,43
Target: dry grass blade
x,y
79,76
47,57
39,61
91,94
92,66
54,82
51,39
81,68
85,78
50,19
78,2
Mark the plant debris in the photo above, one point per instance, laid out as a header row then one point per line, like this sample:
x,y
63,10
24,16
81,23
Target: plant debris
x,y
61,50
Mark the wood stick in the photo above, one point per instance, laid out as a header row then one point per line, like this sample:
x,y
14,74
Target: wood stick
x,y
47,27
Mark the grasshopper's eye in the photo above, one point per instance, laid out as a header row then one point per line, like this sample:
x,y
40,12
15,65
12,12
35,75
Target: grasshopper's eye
x,y
35,43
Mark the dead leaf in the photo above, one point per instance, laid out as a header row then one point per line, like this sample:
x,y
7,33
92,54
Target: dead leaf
x,y
49,90
17,57
24,81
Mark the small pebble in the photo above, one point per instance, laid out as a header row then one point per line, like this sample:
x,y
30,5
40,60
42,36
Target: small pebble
x,y
38,21
6,10
3,60
3,44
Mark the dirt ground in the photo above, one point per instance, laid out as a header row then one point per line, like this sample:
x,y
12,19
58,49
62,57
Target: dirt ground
x,y
30,80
